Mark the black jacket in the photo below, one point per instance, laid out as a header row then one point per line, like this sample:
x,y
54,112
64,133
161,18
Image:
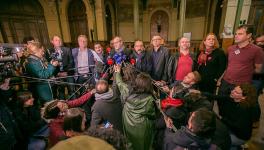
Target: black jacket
x,y
160,66
237,118
67,59
184,138
173,64
143,62
8,128
108,110
212,70
29,121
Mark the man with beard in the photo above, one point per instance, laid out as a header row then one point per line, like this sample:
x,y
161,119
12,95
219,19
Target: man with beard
x,y
142,58
182,62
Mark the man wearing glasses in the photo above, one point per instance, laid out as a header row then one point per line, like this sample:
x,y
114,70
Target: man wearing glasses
x,y
160,56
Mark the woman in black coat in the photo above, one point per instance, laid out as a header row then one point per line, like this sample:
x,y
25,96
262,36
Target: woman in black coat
x,y
211,63
27,117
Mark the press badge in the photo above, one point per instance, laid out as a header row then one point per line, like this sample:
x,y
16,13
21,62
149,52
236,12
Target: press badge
x,y
237,51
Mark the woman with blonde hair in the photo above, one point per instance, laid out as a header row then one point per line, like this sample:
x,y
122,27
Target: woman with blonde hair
x,y
36,67
211,63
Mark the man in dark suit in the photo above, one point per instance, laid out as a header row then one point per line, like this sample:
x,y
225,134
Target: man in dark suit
x,y
84,62
64,56
119,48
160,57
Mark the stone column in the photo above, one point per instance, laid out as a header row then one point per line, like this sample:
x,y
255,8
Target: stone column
x,y
100,21
136,18
238,13
182,17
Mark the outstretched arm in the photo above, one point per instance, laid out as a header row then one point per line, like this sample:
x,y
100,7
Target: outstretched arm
x,y
81,100
123,88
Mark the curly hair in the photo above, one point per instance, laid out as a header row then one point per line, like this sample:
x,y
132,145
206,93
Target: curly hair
x,y
112,136
249,91
50,110
34,47
216,43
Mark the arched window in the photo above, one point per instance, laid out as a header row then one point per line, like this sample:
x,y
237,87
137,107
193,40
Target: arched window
x,y
77,19
20,18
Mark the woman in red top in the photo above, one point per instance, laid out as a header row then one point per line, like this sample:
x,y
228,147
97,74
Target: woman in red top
x,y
53,112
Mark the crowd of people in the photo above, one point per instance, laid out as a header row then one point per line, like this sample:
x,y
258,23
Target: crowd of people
x,y
138,99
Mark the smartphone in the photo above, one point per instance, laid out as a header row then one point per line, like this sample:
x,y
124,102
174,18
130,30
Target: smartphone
x,y
107,124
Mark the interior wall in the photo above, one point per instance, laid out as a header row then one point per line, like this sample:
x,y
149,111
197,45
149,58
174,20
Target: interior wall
x,y
194,22
126,31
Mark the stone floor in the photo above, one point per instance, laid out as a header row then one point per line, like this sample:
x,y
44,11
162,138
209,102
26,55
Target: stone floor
x,y
257,140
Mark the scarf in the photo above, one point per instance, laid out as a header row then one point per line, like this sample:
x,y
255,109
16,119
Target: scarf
x,y
97,57
104,96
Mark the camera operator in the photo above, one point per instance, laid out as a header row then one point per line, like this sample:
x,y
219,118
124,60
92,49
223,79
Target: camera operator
x,y
64,56
36,66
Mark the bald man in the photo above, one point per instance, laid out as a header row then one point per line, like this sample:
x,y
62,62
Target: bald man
x,y
160,57
182,63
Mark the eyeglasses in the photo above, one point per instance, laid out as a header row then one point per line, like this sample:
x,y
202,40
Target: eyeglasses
x,y
116,42
156,39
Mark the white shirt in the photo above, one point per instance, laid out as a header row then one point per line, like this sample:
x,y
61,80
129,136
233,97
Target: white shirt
x,y
82,59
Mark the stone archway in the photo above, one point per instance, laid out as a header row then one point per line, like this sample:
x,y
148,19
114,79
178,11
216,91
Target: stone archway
x,y
19,19
77,19
159,24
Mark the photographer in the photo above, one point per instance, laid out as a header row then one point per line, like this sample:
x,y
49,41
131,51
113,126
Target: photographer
x,y
38,68
64,56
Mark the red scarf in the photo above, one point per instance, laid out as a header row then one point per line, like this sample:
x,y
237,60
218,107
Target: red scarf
x,y
171,102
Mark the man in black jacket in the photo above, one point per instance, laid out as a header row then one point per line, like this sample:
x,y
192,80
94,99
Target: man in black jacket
x,y
182,62
143,60
160,57
119,49
197,135
65,68
107,109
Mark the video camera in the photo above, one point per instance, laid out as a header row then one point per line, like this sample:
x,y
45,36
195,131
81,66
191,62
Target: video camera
x,y
9,59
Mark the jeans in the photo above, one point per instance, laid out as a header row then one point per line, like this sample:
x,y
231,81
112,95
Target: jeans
x,y
236,142
38,140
